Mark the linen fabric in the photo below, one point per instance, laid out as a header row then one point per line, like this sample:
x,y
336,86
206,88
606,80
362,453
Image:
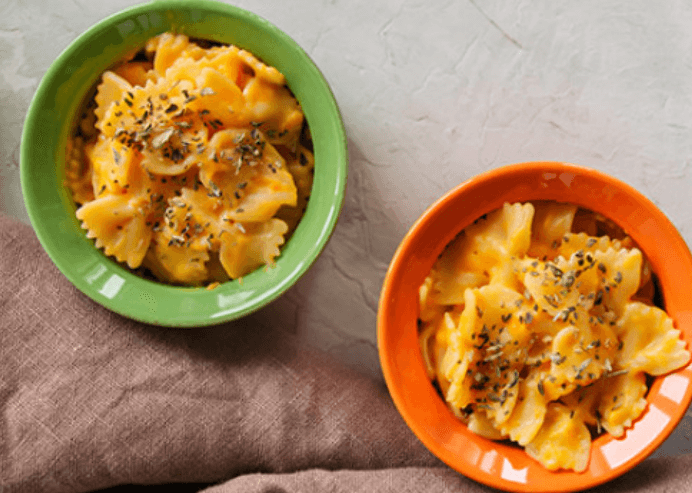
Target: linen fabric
x,y
90,400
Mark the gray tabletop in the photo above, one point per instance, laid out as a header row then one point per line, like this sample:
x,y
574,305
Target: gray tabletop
x,y
433,92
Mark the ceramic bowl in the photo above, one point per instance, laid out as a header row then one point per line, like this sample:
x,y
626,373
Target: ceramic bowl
x,y
499,465
52,211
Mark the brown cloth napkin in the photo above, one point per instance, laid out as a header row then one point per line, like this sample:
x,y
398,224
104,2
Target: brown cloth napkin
x,y
90,400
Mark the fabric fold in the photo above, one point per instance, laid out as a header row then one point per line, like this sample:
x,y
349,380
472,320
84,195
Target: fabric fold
x,y
90,400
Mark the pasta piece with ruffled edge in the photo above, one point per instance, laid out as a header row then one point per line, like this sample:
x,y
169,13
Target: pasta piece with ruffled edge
x,y
482,248
212,75
116,173
553,285
137,73
528,414
543,330
620,269
281,121
562,442
249,173
118,217
219,98
164,131
239,86
620,277
113,166
167,48
583,403
243,251
118,225
214,92
579,357
581,242
193,219
178,264
551,221
171,151
493,349
452,275
650,342
622,402
567,287
200,54
455,363
111,89
193,61
190,222
566,429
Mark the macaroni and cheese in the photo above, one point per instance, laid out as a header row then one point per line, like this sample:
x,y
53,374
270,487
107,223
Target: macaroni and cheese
x,y
193,160
538,325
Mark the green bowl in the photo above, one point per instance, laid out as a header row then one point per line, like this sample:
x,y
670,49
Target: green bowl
x,y
52,211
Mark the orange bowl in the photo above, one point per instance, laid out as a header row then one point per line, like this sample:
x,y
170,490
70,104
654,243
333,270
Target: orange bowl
x,y
493,463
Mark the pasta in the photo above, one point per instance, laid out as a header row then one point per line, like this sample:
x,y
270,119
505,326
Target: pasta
x,y
192,161
538,325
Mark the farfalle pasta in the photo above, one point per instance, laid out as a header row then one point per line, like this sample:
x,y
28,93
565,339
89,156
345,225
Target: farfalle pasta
x,y
192,160
538,325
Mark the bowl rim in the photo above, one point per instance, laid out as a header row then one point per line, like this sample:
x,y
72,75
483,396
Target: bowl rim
x,y
250,297
388,331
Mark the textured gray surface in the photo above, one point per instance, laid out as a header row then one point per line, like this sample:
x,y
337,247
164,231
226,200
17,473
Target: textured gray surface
x,y
433,92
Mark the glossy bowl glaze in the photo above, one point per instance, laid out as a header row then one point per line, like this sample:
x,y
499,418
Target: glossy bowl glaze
x,y
496,464
52,211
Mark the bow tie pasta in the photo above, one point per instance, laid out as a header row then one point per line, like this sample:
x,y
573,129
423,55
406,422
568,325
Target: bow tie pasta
x,y
192,161
538,325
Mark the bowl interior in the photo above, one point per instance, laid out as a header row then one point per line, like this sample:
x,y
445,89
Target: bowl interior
x,y
499,465
49,123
